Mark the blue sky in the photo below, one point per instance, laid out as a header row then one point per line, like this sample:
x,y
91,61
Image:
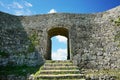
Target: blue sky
x,y
59,48
33,7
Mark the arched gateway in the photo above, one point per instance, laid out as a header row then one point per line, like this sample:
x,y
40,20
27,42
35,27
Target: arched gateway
x,y
53,32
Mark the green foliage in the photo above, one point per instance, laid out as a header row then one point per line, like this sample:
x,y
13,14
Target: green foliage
x,y
31,48
117,21
4,54
117,36
33,38
38,72
18,70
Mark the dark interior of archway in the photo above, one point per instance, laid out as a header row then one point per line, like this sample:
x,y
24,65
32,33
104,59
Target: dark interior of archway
x,y
54,32
58,31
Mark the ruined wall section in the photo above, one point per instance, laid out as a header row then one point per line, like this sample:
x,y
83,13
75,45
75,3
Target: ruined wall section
x,y
101,50
16,48
93,38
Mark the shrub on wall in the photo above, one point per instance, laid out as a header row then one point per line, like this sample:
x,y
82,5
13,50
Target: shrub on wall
x,y
34,42
117,21
117,36
4,54
31,48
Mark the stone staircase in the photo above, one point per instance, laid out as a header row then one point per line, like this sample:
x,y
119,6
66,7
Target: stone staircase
x,y
59,70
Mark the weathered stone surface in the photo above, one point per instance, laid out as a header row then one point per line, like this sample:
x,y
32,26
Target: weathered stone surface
x,y
94,38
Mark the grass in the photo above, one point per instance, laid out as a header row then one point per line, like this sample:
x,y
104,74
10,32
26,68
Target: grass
x,y
38,72
18,70
24,70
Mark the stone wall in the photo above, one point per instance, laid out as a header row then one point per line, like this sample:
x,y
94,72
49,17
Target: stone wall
x,y
93,38
99,49
16,45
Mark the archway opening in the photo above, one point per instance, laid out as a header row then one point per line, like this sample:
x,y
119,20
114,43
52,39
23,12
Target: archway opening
x,y
59,48
54,32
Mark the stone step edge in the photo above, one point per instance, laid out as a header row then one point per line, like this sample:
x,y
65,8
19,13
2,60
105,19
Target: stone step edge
x,y
60,66
59,70
57,64
58,61
60,75
63,79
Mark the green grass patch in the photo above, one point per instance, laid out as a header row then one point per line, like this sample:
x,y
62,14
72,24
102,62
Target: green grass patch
x,y
38,72
18,70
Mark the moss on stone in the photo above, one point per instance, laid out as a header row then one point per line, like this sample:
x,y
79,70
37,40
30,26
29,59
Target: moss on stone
x,y
4,54
34,42
38,72
117,21
33,38
31,48
18,70
117,36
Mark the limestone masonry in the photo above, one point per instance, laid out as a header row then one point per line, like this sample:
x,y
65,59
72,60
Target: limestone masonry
x,y
93,39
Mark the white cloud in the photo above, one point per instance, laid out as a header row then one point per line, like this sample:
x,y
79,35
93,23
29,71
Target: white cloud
x,y
2,4
23,12
61,39
28,4
52,11
17,8
16,5
19,12
60,54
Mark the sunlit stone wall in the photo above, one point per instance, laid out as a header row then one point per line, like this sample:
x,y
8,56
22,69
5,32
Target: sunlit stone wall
x,y
94,40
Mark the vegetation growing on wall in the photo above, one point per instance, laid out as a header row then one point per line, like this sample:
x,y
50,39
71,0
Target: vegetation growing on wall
x,y
31,48
18,70
117,21
33,38
117,36
34,42
4,54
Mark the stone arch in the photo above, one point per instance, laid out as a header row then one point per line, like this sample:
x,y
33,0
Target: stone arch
x,y
54,32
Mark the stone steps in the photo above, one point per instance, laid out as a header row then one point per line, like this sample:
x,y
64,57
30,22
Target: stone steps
x,y
61,76
58,64
59,70
58,61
